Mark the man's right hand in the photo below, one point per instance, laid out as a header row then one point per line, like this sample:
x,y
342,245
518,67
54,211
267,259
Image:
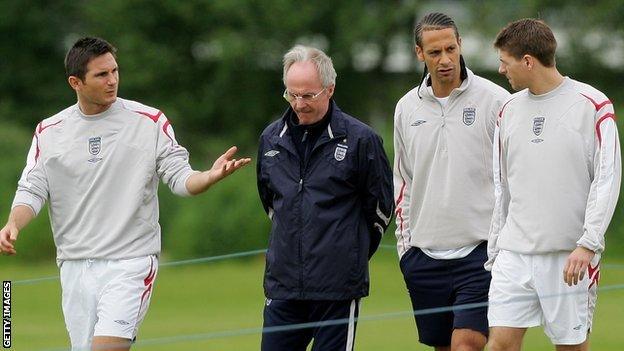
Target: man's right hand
x,y
8,235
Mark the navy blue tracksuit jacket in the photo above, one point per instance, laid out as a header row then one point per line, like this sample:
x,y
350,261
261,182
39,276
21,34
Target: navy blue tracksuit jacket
x,y
328,212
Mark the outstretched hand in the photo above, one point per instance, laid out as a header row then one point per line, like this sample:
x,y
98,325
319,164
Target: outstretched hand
x,y
226,164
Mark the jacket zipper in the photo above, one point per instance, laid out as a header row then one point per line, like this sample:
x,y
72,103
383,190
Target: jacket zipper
x,y
301,232
303,171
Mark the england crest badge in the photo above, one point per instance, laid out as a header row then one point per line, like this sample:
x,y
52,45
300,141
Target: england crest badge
x,y
341,152
538,125
470,113
95,145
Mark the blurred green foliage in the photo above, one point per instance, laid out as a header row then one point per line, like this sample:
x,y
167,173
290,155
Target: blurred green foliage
x,y
214,68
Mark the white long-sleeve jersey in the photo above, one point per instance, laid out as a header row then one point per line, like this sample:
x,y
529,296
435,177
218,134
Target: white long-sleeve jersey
x,y
557,171
442,166
100,174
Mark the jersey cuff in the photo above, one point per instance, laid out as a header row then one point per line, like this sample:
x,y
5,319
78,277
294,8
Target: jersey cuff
x,y
27,199
183,190
589,244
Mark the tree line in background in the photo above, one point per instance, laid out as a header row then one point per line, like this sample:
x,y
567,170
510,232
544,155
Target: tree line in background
x,y
214,68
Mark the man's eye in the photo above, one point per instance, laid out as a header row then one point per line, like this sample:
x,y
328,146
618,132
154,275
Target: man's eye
x,y
307,96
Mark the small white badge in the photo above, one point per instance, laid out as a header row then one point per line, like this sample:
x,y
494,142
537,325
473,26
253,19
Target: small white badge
x,y
340,152
271,153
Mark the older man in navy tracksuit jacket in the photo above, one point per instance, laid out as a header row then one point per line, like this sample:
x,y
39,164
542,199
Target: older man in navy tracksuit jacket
x,y
326,184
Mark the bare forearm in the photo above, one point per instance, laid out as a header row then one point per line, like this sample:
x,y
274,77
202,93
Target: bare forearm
x,y
199,182
20,216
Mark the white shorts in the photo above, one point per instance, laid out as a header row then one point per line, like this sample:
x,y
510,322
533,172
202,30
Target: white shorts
x,y
106,297
528,290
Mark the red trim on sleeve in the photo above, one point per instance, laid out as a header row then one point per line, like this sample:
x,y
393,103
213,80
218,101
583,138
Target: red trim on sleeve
x,y
37,153
399,210
38,130
164,128
600,120
154,118
500,158
500,113
41,127
598,106
37,150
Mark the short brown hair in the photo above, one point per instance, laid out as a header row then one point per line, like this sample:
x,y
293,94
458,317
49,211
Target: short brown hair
x,y
528,36
83,51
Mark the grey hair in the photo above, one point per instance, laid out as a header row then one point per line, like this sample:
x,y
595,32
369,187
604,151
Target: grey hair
x,y
323,63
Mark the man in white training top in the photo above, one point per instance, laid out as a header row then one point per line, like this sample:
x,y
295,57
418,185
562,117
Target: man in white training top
x,y
557,176
98,164
443,132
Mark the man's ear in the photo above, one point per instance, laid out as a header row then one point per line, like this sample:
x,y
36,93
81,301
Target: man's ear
x,y
74,82
330,90
419,53
528,61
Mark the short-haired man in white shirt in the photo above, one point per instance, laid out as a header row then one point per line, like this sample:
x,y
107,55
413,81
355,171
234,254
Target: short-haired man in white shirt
x,y
557,177
98,164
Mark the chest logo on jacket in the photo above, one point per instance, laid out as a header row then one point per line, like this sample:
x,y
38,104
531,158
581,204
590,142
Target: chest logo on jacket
x,y
271,153
341,152
95,146
470,114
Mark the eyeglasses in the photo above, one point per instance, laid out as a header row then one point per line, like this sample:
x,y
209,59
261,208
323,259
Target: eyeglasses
x,y
308,97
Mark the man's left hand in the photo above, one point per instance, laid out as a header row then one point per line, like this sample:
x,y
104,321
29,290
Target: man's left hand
x,y
226,164
576,265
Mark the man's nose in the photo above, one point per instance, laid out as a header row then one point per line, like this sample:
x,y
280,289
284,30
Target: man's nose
x,y
113,79
445,59
298,103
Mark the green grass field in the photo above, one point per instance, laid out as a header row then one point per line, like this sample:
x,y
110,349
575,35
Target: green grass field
x,y
218,306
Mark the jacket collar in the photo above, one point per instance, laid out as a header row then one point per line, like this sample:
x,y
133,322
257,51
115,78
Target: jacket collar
x,y
336,128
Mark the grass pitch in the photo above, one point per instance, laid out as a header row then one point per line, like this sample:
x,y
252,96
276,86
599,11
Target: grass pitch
x,y
218,306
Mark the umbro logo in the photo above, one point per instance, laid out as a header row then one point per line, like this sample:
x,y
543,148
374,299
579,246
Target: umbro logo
x,y
271,153
418,122
578,327
122,322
